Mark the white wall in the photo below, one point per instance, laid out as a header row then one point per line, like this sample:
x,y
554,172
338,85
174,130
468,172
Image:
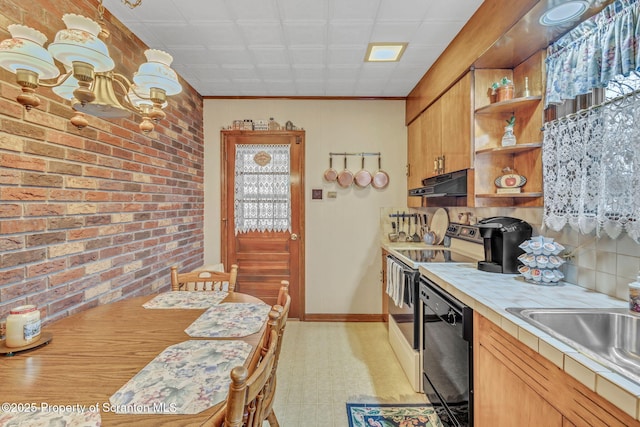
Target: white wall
x,y
342,239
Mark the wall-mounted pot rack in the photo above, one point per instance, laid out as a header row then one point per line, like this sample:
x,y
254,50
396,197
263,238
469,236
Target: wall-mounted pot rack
x,y
355,154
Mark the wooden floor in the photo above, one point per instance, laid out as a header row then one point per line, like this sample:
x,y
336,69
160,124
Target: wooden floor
x,y
325,365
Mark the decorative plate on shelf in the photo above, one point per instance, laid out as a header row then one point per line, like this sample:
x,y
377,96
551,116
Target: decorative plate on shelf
x,y
510,180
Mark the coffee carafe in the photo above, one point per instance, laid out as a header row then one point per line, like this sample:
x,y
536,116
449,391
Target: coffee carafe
x,y
502,236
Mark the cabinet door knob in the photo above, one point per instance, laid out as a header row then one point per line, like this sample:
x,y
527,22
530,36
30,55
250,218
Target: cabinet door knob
x,y
294,236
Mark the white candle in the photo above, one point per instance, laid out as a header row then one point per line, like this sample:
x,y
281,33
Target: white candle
x,y
23,326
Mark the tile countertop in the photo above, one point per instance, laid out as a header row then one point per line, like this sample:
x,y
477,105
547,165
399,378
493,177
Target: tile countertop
x,y
491,293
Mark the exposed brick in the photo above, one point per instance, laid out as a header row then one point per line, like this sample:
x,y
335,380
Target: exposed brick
x,y
41,239
82,156
22,162
68,195
44,209
98,243
23,289
11,142
84,258
98,220
64,168
65,276
11,243
65,222
11,276
46,268
41,180
44,149
45,119
22,225
82,233
23,129
8,210
66,303
77,182
9,176
27,194
24,257
65,139
65,249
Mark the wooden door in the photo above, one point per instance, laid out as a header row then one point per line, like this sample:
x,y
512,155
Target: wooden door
x,y
456,114
265,258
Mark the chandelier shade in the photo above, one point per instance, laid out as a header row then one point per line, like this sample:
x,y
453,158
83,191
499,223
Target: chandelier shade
x,y
90,81
79,42
157,73
24,51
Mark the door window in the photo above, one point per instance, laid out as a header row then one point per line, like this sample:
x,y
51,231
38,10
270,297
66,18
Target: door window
x,y
262,188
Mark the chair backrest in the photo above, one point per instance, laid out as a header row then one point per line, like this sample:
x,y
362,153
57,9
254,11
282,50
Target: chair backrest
x,y
247,392
203,280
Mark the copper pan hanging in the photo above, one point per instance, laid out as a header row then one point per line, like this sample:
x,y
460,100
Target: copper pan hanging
x,y
363,177
345,177
380,177
330,174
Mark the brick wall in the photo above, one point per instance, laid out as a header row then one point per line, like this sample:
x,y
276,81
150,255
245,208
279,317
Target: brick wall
x,y
100,214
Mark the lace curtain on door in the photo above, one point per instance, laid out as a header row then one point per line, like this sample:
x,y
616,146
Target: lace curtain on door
x,y
591,159
262,188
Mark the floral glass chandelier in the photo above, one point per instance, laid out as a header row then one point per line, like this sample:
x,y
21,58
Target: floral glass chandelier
x,y
90,78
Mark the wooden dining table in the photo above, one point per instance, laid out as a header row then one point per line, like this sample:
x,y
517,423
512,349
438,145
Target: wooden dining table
x,y
95,352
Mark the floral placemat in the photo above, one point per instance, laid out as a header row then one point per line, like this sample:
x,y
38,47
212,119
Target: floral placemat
x,y
52,416
186,299
230,320
186,378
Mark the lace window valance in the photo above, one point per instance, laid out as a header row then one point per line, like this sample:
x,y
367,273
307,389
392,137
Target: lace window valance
x,y
591,171
594,53
262,188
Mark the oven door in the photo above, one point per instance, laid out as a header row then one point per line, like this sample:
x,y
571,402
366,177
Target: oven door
x,y
447,354
402,293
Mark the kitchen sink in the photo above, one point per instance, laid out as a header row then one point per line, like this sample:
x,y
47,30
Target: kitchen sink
x,y
609,336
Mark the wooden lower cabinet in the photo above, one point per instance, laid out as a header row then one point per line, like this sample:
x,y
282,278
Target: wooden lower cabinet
x,y
516,386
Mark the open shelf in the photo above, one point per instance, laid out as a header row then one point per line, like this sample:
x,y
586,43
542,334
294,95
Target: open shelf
x,y
518,148
509,105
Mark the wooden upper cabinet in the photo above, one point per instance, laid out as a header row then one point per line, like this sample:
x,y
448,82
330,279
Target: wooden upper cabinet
x,y
414,166
456,118
431,138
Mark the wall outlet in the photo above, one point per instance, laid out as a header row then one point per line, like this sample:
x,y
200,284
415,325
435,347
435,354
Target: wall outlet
x,y
332,194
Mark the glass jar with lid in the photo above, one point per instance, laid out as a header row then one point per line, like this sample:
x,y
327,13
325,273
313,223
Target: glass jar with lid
x,y
23,326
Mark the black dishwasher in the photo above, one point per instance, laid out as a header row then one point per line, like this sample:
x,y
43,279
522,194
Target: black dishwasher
x,y
448,354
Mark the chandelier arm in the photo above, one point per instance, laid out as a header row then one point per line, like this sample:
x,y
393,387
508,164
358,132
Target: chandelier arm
x,y
125,85
61,79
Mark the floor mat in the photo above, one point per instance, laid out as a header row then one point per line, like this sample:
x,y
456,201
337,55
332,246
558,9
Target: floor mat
x,y
392,415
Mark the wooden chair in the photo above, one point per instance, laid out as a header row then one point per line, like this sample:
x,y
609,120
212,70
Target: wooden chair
x,y
278,324
245,404
203,280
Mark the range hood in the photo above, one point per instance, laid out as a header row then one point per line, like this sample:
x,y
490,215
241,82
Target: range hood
x,y
447,185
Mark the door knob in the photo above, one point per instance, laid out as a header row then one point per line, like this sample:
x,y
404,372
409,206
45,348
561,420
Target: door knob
x,y
294,236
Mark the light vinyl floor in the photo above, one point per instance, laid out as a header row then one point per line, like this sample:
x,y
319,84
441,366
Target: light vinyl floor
x,y
324,365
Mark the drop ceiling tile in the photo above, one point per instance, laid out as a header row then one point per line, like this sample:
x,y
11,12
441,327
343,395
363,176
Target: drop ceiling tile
x,y
408,10
275,73
394,31
313,72
452,9
418,55
230,56
377,71
350,32
257,10
310,87
307,55
341,87
353,9
343,72
303,9
203,10
305,33
269,55
161,10
346,55
265,33
241,73
214,33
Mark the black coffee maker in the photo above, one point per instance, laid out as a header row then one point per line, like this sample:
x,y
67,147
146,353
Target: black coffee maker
x,y
502,237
